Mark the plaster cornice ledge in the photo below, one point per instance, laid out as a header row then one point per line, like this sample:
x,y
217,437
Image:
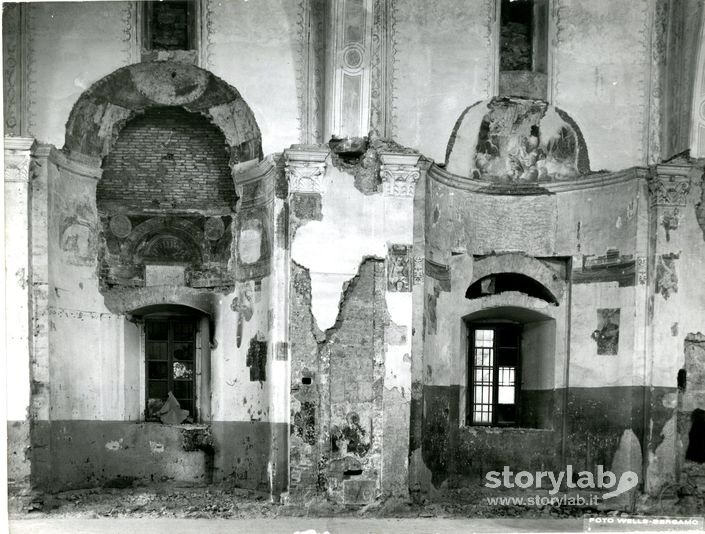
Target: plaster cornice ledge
x,y
77,164
591,181
254,170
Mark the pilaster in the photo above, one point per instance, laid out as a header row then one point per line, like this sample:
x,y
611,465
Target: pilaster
x,y
400,172
18,332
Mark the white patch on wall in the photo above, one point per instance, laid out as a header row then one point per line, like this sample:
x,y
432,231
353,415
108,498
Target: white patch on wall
x,y
250,245
164,275
352,227
113,445
156,447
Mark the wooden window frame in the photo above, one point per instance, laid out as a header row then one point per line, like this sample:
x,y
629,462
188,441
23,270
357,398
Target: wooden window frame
x,y
169,320
470,403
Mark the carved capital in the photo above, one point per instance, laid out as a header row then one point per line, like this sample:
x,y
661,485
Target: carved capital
x,y
17,158
399,173
669,188
305,168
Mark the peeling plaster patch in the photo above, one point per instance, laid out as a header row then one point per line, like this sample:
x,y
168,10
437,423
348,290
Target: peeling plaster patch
x,y
307,206
607,333
440,273
113,445
352,227
670,400
156,447
700,208
666,276
661,468
257,359
396,334
627,457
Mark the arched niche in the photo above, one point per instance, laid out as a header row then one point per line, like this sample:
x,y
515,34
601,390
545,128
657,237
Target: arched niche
x,y
101,111
494,284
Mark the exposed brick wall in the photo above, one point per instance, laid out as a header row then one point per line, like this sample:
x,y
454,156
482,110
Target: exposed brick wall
x,y
167,158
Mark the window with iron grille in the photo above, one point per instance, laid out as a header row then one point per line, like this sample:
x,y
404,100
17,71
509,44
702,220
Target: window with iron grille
x,y
494,374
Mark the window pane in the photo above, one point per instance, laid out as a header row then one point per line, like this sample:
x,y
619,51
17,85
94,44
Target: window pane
x,y
183,370
483,374
158,390
483,395
157,370
507,356
157,350
183,331
506,376
483,357
157,330
183,390
484,338
505,394
183,351
482,414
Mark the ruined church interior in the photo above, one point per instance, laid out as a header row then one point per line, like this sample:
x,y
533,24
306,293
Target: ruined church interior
x,y
354,250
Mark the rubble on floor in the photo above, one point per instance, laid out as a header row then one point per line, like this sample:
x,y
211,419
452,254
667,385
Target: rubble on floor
x,y
226,502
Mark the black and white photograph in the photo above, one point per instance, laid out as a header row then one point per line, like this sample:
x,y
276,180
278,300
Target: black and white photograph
x,y
353,266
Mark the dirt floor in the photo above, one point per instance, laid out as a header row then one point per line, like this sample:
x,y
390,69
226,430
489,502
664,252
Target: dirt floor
x,y
223,502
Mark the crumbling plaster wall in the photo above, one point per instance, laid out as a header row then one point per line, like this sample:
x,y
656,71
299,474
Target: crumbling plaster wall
x,y
581,223
675,317
345,314
95,385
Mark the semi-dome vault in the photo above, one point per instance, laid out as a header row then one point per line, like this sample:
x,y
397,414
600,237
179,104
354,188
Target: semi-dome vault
x,y
516,140
110,103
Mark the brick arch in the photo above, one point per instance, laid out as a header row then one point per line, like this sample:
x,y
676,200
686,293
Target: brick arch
x,y
103,109
519,264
